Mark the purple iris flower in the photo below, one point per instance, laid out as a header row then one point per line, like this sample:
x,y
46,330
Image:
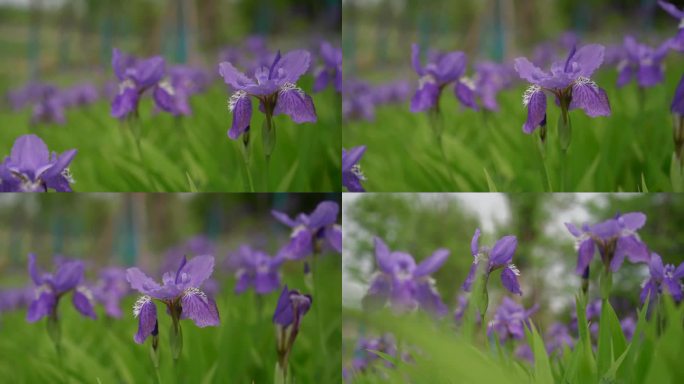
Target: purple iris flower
x,y
49,108
256,268
110,289
16,298
558,336
288,314
27,95
274,86
593,312
181,294
311,233
510,320
405,284
30,167
331,71
676,42
490,79
52,287
569,82
499,256
351,170
643,63
444,69
628,325
80,95
615,239
358,101
365,356
461,307
395,92
135,77
664,278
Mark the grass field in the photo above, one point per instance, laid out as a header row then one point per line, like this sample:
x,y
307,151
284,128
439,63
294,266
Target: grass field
x,y
240,350
191,153
631,150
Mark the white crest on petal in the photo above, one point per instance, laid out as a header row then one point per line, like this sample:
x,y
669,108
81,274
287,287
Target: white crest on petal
x,y
86,292
137,307
582,80
234,99
468,82
166,86
126,84
66,173
195,292
290,87
514,269
529,92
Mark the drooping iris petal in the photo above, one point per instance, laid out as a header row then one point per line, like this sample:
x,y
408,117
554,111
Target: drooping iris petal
x,y
428,298
674,288
41,306
266,282
590,98
321,81
431,264
509,279
146,312
296,104
83,304
284,315
678,100
164,98
585,254
650,75
468,283
425,98
241,107
124,103
244,280
535,100
466,95
199,308
300,245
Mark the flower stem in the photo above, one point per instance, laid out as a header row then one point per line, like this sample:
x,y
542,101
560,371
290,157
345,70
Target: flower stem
x,y
268,137
437,124
245,157
541,146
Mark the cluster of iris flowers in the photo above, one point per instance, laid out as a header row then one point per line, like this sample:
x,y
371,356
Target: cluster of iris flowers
x,y
404,286
188,287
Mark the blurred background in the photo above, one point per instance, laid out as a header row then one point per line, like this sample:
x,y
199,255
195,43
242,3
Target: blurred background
x,y
377,34
139,229
421,223
42,38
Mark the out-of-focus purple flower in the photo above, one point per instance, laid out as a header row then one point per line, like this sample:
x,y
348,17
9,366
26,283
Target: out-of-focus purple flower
x,y
510,319
499,256
274,86
663,279
351,170
110,289
568,81
287,317
403,283
643,63
30,167
51,287
135,77
391,93
677,42
615,239
558,336
524,352
26,95
442,70
331,71
312,233
49,108
257,269
490,79
192,246
593,313
628,325
180,292
365,352
677,109
461,308
358,101
16,298
80,95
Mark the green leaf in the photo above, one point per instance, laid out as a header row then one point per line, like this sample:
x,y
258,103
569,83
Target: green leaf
x,y
611,340
490,182
542,367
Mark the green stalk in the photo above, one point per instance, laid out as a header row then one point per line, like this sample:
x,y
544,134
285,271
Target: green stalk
x,y
244,149
268,137
437,124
